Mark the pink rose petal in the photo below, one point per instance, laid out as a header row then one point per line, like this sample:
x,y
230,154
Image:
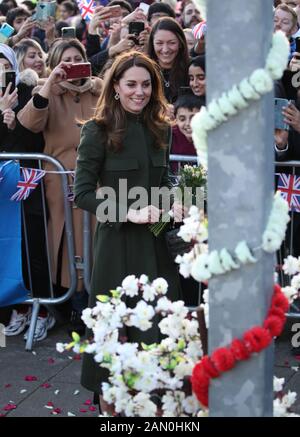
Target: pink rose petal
x,y
30,378
51,361
7,386
50,404
77,357
46,385
56,411
82,410
92,408
297,357
87,402
9,407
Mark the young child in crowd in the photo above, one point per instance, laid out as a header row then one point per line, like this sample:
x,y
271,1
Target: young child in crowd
x,y
185,107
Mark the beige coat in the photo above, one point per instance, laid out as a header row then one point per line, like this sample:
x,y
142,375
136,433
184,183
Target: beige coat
x,y
60,123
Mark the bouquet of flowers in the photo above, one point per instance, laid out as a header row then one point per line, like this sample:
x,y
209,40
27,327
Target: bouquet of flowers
x,y
190,190
147,380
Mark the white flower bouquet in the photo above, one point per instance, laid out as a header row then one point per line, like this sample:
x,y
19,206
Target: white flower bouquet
x,y
144,380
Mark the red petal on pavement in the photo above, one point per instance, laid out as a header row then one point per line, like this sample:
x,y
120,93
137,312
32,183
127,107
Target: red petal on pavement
x,y
286,363
46,385
51,361
7,386
88,402
82,410
56,411
297,357
9,407
50,404
30,378
77,357
92,408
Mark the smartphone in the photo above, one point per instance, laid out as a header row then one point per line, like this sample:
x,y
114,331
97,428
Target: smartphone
x,y
44,10
5,32
115,11
279,117
135,28
144,7
68,32
79,71
8,76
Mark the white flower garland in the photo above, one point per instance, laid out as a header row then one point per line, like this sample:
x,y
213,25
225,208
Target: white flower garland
x,y
239,97
202,265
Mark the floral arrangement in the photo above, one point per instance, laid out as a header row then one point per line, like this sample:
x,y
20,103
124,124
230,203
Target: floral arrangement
x,y
191,188
254,340
155,380
152,380
202,265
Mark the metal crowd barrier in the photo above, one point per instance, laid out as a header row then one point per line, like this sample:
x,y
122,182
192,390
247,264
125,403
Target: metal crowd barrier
x,y
287,246
36,302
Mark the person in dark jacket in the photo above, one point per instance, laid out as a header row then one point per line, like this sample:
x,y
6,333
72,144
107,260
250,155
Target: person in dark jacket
x,y
168,47
126,139
21,140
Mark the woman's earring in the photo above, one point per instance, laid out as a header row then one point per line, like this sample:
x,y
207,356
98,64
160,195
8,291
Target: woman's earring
x,y
117,96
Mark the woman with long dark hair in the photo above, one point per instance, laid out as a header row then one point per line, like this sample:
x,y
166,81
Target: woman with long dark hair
x,y
127,141
168,47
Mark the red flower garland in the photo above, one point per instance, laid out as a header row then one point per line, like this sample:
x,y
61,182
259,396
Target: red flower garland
x,y
254,340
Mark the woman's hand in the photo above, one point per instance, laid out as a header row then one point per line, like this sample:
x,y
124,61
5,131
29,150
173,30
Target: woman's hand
x,y
179,212
281,138
9,118
101,14
25,30
114,34
149,214
126,43
8,100
292,117
136,15
143,39
57,75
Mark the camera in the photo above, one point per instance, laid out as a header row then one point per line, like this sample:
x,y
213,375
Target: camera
x,y
78,71
44,10
5,32
68,32
135,28
6,77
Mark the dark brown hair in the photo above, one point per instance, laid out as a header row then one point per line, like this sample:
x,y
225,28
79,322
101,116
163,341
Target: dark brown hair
x,y
59,46
111,115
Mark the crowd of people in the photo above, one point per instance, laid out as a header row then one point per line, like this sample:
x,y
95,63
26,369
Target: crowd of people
x,y
120,122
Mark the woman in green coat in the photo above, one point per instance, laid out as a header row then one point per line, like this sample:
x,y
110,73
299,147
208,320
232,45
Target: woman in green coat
x,y
125,147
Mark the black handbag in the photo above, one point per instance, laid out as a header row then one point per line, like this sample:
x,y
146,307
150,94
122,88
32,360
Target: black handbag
x,y
176,245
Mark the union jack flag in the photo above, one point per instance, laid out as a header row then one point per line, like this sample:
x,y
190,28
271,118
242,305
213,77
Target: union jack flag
x,y
289,185
31,178
86,8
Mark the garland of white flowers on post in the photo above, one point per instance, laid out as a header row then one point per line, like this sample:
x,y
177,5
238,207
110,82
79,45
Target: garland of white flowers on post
x,y
240,95
202,265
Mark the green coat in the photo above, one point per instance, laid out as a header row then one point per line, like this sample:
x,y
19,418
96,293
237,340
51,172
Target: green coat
x,y
122,249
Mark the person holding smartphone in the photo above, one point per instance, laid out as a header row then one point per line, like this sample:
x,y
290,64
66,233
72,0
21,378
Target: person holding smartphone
x,y
17,139
55,110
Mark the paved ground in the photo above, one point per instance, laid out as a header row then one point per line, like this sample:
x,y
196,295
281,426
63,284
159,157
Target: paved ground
x,y
57,378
